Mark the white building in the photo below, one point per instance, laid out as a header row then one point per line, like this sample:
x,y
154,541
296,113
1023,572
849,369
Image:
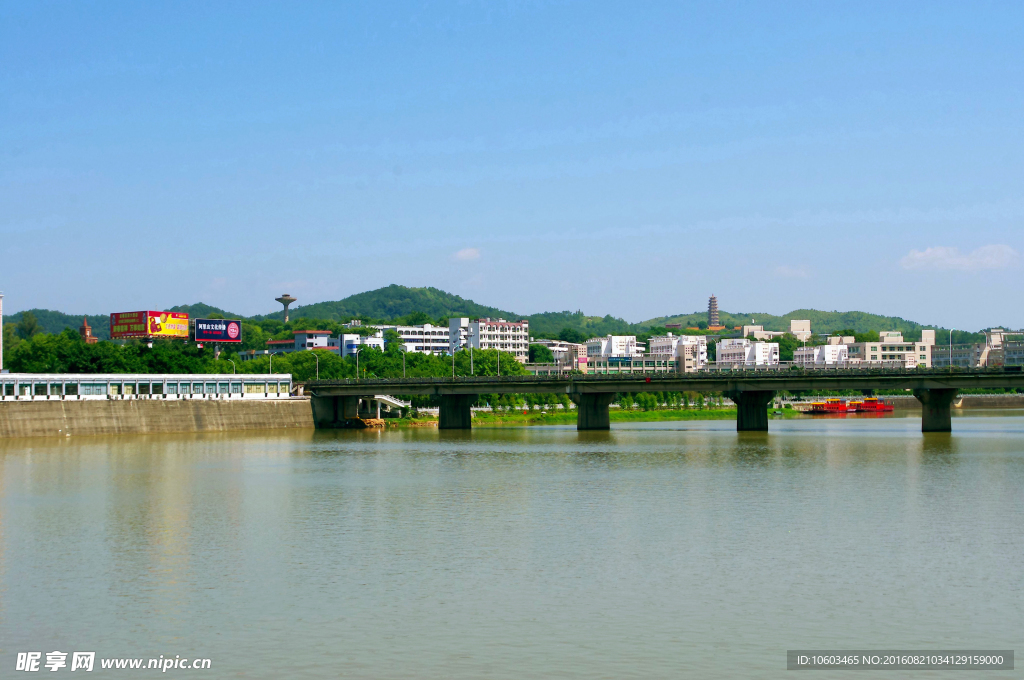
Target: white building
x,y
691,351
893,350
507,336
116,386
352,342
822,355
425,339
743,352
615,346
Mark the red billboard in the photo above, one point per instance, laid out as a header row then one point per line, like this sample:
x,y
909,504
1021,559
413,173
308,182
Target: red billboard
x,y
149,325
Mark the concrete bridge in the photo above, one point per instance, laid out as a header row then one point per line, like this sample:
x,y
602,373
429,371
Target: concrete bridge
x,y
752,390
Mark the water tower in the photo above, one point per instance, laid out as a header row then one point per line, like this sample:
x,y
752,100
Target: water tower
x,y
285,300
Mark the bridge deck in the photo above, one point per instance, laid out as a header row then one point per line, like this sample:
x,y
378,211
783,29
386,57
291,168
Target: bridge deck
x,y
717,381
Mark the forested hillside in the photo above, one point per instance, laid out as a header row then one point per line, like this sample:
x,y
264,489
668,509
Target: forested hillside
x,y
389,303
419,305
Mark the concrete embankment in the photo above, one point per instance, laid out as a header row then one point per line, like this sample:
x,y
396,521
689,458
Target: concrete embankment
x,y
970,401
141,416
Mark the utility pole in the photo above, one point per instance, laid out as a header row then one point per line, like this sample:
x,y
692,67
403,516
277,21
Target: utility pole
x,y
317,364
1,332
403,363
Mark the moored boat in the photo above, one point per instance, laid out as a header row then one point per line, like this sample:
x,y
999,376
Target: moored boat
x,y
830,406
872,405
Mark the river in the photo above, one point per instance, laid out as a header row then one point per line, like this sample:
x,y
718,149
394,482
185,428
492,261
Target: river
x,y
657,550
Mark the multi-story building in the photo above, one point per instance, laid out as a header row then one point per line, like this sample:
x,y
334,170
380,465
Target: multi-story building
x,y
801,329
961,355
690,351
712,312
892,349
999,349
507,336
425,339
1013,349
614,346
821,355
743,352
352,342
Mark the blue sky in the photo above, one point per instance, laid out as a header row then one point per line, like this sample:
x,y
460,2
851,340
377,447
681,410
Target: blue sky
x,y
622,158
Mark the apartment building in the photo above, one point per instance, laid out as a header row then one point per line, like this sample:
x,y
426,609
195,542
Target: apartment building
x,y
741,352
508,336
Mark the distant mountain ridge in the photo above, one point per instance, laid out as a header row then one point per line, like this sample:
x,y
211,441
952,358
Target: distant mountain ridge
x,y
396,301
821,322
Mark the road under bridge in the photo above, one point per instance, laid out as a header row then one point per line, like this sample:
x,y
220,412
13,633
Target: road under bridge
x,y
335,401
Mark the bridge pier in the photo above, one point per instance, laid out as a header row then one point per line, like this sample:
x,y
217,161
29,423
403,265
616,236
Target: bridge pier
x,y
324,410
455,412
751,409
935,412
333,411
592,410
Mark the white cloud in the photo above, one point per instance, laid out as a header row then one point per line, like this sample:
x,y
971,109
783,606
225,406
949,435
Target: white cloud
x,y
467,254
788,272
942,257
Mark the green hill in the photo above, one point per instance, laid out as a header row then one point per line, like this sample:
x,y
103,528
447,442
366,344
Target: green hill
x,y
393,302
821,322
54,322
200,310
389,303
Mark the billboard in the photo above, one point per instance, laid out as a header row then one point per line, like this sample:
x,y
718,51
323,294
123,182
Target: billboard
x,y
218,330
149,325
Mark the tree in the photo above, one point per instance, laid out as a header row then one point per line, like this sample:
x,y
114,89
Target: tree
x,y
539,354
28,326
703,325
392,342
11,339
787,346
572,335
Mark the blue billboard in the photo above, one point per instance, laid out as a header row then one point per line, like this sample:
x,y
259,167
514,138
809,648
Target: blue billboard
x,y
218,330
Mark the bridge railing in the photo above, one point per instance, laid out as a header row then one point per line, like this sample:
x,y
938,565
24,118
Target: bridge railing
x,y
738,372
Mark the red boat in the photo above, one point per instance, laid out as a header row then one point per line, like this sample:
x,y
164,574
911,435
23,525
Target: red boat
x,y
872,405
830,406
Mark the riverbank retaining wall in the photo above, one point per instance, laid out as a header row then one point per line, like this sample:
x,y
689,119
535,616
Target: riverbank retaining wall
x,y
142,416
970,401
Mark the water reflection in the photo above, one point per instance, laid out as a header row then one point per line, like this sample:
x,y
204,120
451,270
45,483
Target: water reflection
x,y
511,552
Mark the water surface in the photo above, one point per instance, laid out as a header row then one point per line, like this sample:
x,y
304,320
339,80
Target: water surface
x,y
655,550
